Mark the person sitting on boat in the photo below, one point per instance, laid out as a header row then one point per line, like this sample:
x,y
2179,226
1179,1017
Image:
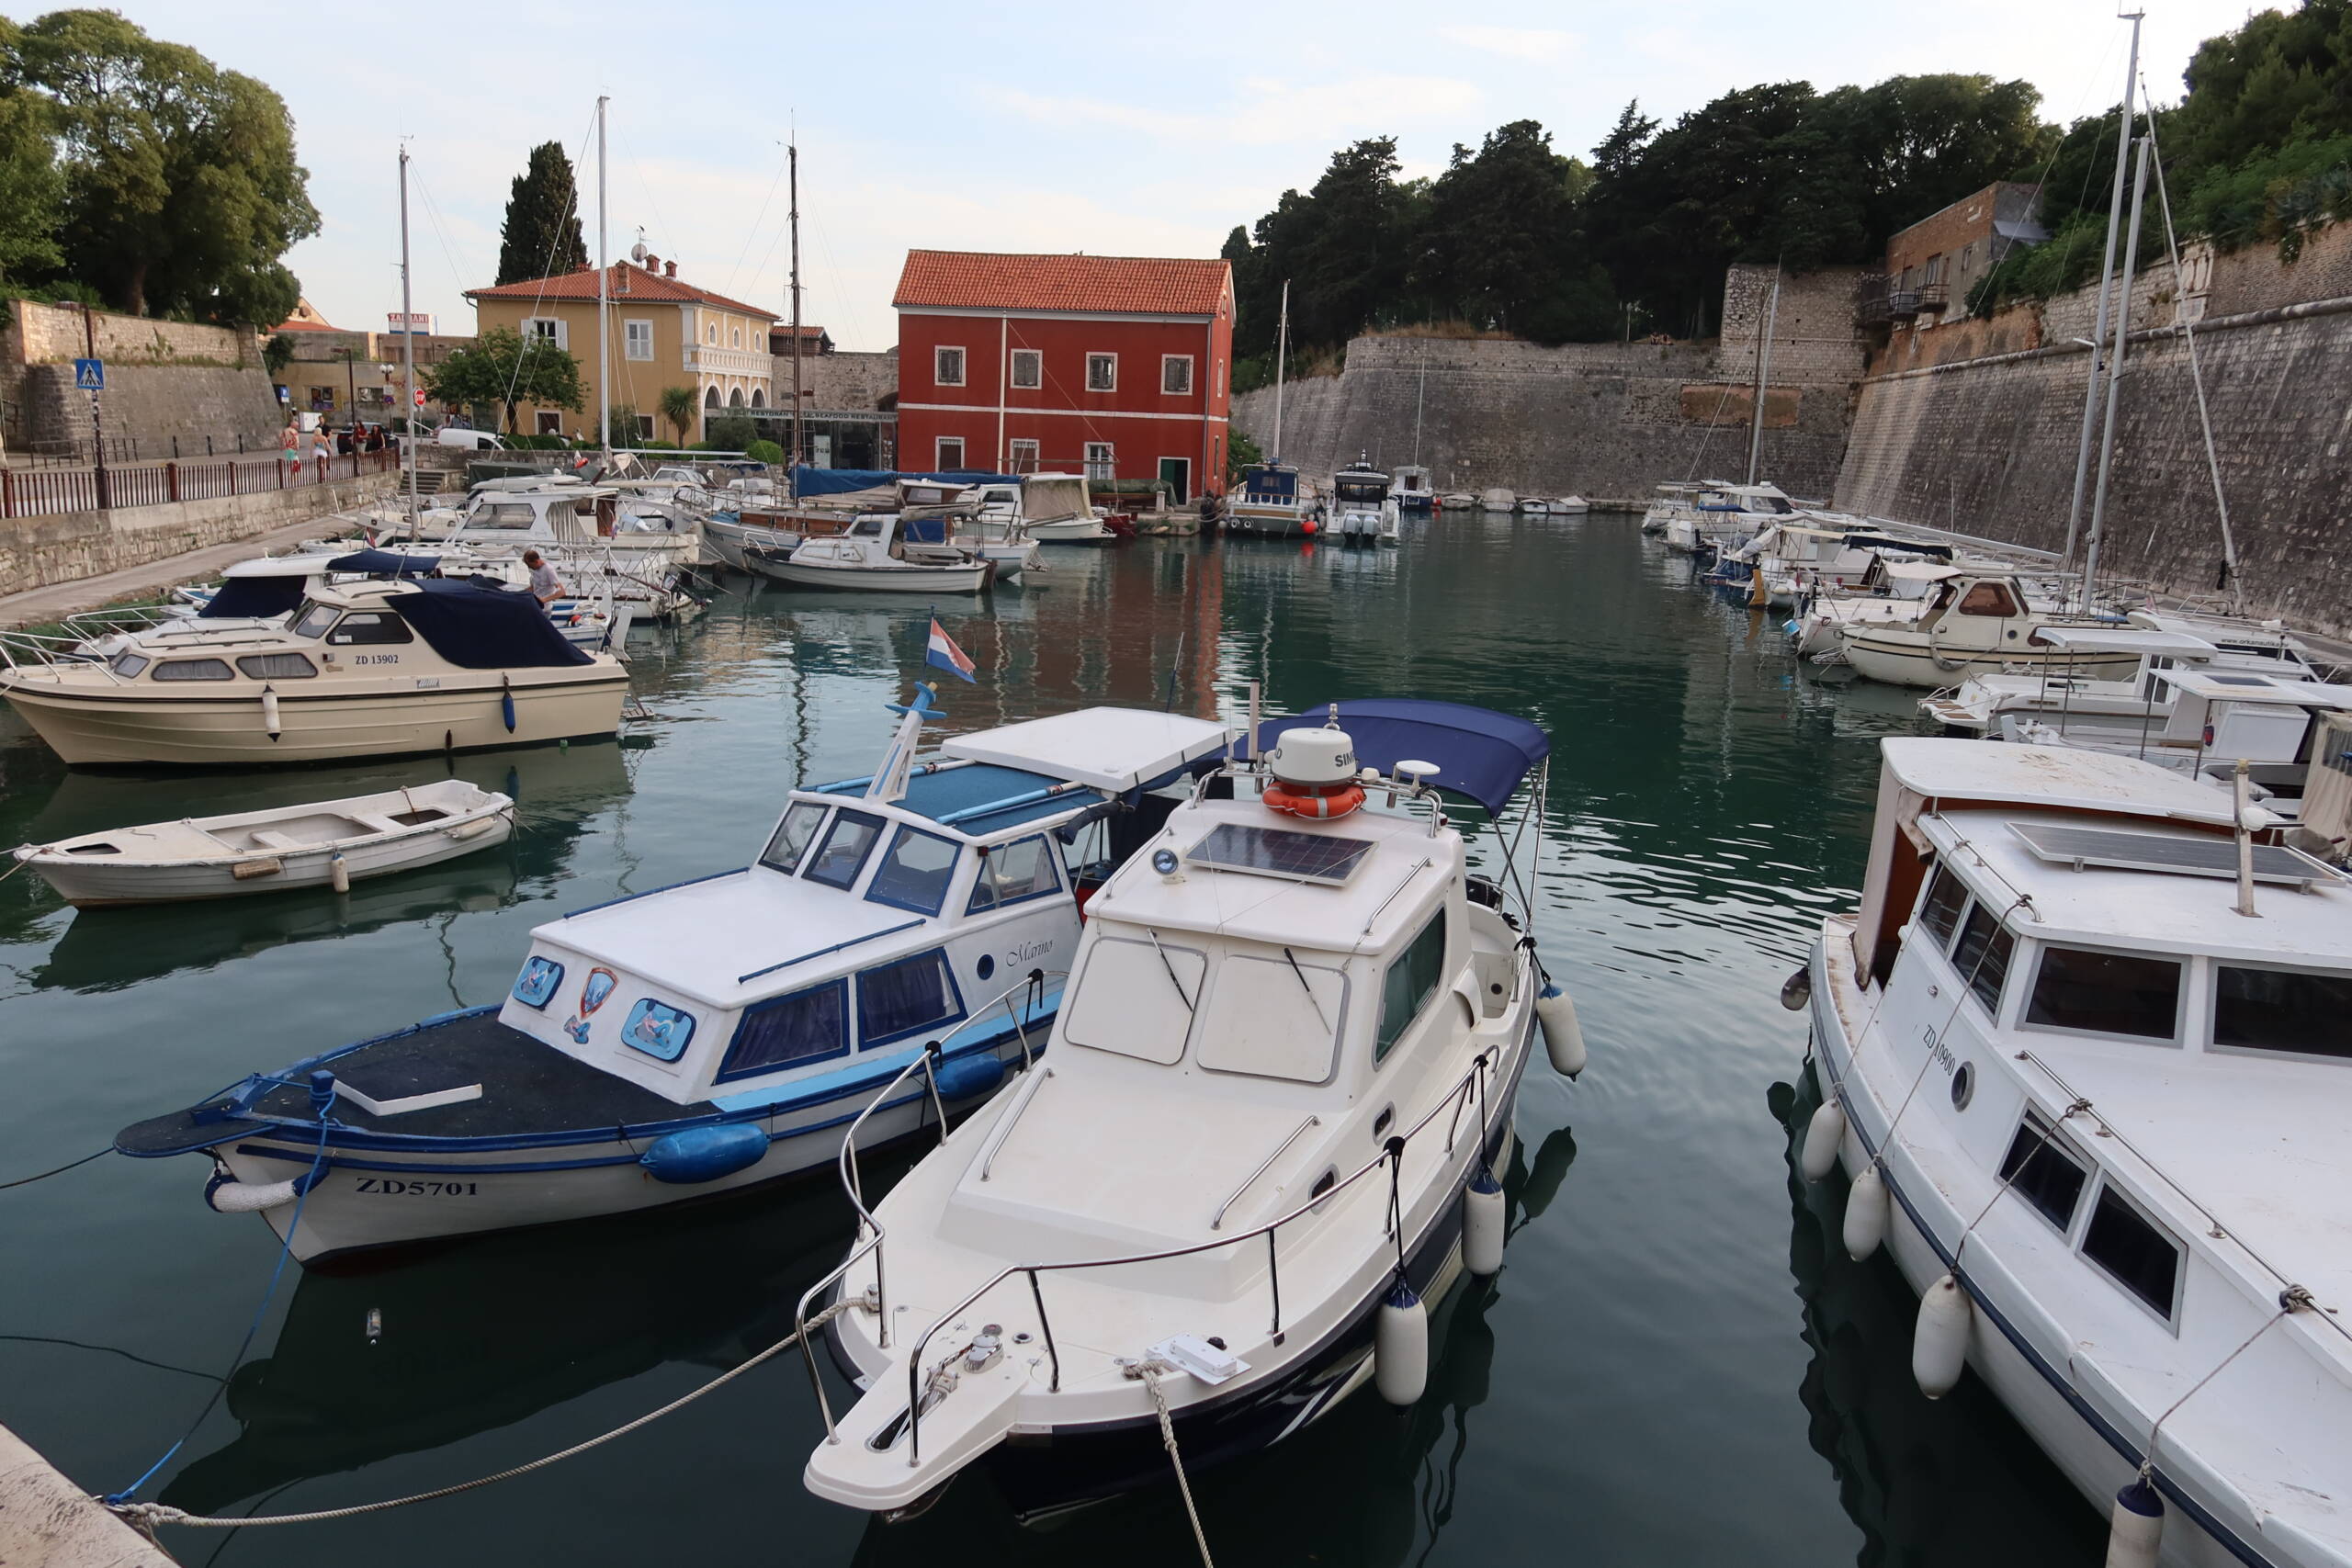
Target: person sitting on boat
x,y
545,585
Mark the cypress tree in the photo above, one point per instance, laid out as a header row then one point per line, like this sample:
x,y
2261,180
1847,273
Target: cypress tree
x,y
542,236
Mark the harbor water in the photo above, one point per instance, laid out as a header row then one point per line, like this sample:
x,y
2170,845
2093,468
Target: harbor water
x,y
1678,1364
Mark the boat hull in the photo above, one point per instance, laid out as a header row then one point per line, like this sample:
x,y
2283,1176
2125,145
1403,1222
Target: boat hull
x,y
88,885
893,579
1914,661
84,728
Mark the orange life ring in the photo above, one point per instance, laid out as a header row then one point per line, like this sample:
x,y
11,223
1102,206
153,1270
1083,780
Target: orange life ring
x,y
1314,800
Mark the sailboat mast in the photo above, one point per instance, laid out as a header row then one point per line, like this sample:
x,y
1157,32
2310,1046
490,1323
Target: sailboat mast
x,y
603,305
2106,278
2115,377
1282,346
1420,393
791,157
1763,370
408,348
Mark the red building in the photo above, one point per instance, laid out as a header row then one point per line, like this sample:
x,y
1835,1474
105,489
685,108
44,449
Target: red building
x,y
1112,367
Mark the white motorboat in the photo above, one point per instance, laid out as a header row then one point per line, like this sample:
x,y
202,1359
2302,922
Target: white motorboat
x,y
1362,510
1046,509
1458,501
1717,511
372,668
271,588
880,554
1571,506
1497,500
1982,703
2095,1113
719,1032
1889,593
1533,506
1264,1135
327,844
1975,620
1412,488
1673,500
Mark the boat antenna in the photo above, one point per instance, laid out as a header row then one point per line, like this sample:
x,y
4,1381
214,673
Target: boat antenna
x,y
2105,282
2115,380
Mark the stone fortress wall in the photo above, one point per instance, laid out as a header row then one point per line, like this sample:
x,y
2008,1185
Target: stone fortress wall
x,y
165,380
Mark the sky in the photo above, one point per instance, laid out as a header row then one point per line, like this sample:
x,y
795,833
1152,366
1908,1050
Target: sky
x,y
1012,126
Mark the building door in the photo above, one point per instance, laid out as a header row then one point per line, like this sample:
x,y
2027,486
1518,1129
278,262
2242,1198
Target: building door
x,y
1176,473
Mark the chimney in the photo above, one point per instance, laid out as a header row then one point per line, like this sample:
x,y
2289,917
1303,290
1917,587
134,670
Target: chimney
x,y
653,262
669,269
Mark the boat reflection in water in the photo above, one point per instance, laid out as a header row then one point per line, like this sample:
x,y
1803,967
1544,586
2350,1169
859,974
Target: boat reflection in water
x,y
1397,1469
1956,1481
557,792
480,1335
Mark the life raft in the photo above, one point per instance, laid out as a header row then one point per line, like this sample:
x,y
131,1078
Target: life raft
x,y
1314,800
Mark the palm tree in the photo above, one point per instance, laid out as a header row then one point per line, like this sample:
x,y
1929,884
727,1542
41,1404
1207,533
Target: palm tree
x,y
678,406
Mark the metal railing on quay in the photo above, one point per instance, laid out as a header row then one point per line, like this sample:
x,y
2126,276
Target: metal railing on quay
x,y
46,491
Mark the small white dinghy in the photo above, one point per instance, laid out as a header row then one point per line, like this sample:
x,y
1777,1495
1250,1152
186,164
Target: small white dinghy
x,y
327,844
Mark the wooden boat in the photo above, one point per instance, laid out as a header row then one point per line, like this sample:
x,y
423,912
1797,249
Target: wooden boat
x,y
318,844
879,554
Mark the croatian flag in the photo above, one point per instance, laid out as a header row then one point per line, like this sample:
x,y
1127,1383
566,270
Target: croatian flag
x,y
942,652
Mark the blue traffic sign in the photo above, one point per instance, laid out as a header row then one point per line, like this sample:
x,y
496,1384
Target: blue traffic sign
x,y
89,375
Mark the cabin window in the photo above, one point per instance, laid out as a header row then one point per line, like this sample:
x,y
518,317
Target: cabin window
x,y
2040,1169
2106,993
128,665
947,366
1028,369
1275,1017
315,621
193,669
540,976
792,836
658,1029
2134,1253
1989,599
906,996
1012,873
1983,957
842,854
915,874
1940,912
2282,1009
502,515
1409,983
1176,375
867,528
365,627
1102,372
807,1026
278,666
1134,996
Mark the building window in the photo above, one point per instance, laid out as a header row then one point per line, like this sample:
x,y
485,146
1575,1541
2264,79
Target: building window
x,y
1176,375
637,340
947,366
1028,369
1099,463
951,454
645,427
1024,456
710,398
710,334
546,329
1102,372
738,337
1220,378
758,341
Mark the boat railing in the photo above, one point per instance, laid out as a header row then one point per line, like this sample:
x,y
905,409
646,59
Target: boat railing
x,y
122,618
869,1229
48,652
1450,1105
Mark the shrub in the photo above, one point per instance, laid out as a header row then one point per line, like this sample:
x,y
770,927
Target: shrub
x,y
764,452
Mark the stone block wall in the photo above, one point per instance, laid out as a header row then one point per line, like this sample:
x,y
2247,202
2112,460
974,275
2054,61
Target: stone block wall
x,y
839,382
164,379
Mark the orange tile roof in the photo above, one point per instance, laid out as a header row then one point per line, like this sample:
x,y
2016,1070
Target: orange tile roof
x,y
295,324
1147,286
630,283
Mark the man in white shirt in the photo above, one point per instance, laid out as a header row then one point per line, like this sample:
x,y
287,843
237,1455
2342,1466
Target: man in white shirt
x,y
544,585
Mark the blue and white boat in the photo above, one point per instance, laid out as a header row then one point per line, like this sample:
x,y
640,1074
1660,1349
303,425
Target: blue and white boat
x,y
720,1032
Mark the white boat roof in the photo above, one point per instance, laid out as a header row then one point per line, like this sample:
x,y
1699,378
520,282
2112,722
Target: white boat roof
x,y
1114,750
283,566
2063,777
2254,686
1920,570
2126,640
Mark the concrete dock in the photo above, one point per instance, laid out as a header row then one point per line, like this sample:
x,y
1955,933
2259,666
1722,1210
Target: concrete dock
x,y
46,1521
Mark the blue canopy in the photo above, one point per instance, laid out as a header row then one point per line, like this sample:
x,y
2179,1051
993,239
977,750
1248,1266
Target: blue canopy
x,y
477,627
255,598
385,563
1478,752
807,481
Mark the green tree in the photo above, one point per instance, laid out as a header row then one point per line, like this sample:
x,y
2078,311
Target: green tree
x,y
732,433
277,355
542,237
1505,249
679,407
32,190
181,190
504,369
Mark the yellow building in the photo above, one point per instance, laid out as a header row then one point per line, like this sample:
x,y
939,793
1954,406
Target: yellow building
x,y
663,333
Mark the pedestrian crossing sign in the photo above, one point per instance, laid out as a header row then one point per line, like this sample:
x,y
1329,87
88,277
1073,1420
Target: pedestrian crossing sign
x,y
89,375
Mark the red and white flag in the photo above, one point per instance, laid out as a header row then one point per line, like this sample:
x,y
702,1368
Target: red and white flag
x,y
943,652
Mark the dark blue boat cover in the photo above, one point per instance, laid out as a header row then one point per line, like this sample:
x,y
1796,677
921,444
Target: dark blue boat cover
x,y
257,598
809,481
384,563
924,530
484,628
1478,752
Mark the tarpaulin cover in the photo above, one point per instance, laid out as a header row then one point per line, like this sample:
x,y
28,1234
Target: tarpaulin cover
x,y
484,628
384,563
809,481
255,598
1478,752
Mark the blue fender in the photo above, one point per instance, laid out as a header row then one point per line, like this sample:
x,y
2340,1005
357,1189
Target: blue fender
x,y
705,1154
965,1077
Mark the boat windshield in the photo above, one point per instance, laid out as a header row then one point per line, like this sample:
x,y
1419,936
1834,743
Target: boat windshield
x,y
315,620
792,836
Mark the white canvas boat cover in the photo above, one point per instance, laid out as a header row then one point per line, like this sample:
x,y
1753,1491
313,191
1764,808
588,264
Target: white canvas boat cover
x,y
1115,749
1999,772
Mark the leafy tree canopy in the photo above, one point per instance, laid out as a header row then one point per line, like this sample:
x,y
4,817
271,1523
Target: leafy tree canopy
x,y
504,369
542,236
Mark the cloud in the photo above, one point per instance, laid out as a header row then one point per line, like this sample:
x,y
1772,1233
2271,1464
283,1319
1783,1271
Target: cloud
x,y
1541,45
1266,110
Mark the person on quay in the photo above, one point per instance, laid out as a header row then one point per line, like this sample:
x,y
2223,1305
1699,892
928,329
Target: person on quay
x,y
545,586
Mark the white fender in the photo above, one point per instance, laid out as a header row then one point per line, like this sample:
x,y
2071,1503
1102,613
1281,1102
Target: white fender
x,y
2136,1527
1483,1225
1866,1214
338,872
1940,1344
1821,1136
1400,1347
269,712
252,1198
1563,1035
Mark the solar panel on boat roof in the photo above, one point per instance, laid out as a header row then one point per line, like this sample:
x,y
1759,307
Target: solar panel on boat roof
x,y
2180,855
2240,679
1279,852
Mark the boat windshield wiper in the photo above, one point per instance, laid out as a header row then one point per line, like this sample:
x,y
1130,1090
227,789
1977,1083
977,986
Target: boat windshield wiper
x,y
1164,964
1309,989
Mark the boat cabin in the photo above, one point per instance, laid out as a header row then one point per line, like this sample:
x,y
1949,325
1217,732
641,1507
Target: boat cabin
x,y
1360,486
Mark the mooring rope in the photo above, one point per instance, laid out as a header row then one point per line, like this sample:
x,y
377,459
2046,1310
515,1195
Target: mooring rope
x,y
146,1517
1150,1373
28,1181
